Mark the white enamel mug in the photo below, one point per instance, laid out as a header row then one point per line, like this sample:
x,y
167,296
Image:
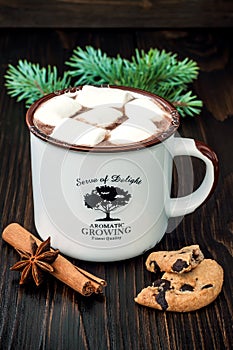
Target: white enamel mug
x,y
109,204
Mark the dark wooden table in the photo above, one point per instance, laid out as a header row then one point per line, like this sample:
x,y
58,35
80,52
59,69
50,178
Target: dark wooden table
x,y
53,316
116,13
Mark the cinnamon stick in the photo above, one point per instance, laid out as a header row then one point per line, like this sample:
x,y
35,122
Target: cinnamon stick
x,y
97,282
78,279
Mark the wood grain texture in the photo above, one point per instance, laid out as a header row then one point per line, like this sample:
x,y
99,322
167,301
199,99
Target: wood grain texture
x,y
53,316
116,13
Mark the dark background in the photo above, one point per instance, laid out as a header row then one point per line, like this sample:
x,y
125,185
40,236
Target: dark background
x,y
116,13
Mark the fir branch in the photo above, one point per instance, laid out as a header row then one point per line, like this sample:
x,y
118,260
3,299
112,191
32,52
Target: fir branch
x,y
155,71
186,104
28,81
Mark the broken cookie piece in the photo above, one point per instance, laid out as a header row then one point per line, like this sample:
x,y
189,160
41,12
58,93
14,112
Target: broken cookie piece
x,y
184,292
177,261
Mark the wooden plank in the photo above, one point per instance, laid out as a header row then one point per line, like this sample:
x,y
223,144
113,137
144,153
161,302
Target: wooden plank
x,y
116,13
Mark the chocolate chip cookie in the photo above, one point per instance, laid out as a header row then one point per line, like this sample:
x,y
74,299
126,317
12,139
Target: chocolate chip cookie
x,y
177,261
184,292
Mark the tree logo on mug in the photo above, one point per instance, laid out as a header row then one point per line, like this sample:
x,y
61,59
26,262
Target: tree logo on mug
x,y
107,199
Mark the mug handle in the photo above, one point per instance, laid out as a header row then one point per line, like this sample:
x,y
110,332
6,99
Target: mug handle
x,y
187,204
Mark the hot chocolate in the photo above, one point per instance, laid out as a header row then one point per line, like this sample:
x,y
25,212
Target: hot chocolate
x,y
102,116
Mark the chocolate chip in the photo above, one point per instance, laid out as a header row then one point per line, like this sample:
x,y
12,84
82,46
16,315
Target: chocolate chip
x,y
161,300
195,255
186,287
179,265
155,266
207,286
162,284
157,283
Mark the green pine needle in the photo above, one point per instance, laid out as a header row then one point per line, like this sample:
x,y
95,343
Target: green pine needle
x,y
155,71
28,81
159,72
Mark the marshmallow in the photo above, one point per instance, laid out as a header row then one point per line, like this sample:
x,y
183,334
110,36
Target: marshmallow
x,y
75,132
100,116
128,133
91,96
144,108
143,124
55,109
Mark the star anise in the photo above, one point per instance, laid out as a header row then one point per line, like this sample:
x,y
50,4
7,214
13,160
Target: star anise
x,y
33,263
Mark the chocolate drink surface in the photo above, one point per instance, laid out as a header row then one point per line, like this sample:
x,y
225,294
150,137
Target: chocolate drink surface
x,y
102,117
